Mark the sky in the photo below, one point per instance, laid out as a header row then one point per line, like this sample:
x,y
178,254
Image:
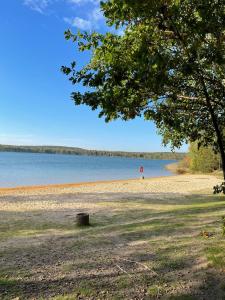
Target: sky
x,y
35,96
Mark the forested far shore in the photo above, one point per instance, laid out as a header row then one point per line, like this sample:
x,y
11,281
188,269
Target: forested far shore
x,y
80,151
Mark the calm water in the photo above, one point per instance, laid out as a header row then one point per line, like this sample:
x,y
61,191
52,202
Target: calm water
x,y
18,169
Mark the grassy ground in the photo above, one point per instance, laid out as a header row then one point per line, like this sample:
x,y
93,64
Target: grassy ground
x,y
138,247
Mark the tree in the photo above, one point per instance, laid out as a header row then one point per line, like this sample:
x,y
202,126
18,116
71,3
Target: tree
x,y
168,66
203,159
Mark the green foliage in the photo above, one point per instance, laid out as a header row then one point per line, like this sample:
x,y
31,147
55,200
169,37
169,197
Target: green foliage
x,y
203,159
168,66
220,188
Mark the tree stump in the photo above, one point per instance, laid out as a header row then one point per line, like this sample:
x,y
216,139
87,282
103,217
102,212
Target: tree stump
x,y
82,219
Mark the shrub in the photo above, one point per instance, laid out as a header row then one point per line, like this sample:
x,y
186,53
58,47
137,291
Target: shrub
x,y
203,159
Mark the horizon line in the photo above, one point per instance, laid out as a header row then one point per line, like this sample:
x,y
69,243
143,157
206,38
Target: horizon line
x,y
87,149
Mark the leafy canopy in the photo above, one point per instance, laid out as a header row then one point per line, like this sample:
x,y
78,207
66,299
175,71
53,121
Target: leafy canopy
x,y
170,57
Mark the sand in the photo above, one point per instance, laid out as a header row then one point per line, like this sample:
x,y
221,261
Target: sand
x,y
179,184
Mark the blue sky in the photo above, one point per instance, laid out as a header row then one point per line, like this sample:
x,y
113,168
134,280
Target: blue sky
x,y
35,96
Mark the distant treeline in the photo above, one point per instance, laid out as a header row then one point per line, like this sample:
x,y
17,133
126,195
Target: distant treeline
x,y
80,151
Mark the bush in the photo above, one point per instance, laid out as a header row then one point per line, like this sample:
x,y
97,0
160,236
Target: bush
x,y
203,159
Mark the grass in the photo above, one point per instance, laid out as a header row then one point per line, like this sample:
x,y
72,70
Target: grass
x,y
138,247
7,283
80,293
154,291
183,297
216,256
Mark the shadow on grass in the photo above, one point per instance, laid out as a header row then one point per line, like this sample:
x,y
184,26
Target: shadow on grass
x,y
155,243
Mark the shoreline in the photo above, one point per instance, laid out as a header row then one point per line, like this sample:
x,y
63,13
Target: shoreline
x,y
173,168
84,183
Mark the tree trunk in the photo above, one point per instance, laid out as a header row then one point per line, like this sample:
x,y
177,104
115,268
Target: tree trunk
x,y
216,127
82,219
209,105
222,153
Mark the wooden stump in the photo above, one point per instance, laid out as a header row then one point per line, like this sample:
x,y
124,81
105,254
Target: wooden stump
x,y
82,219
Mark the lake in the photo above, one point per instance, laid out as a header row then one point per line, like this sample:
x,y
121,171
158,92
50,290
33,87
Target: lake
x,y
19,169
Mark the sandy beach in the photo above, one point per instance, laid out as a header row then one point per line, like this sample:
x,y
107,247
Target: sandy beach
x,y
171,184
